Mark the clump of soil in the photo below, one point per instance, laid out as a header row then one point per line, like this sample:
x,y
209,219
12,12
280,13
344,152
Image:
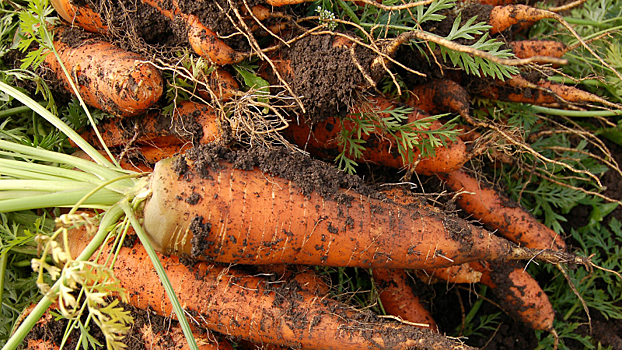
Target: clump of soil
x,y
326,77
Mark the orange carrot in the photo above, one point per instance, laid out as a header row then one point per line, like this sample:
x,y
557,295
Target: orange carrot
x,y
398,298
192,212
190,122
502,17
83,16
521,294
463,273
222,84
236,304
440,96
108,78
203,40
322,142
483,203
531,48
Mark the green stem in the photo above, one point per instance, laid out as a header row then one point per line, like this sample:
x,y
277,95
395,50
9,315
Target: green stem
x,y
3,261
15,110
109,219
101,200
566,113
142,235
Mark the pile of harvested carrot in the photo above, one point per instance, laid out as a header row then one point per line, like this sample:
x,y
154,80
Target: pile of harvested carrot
x,y
223,200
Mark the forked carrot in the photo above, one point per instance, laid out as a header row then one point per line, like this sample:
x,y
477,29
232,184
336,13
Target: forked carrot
x,y
229,301
490,207
398,298
108,78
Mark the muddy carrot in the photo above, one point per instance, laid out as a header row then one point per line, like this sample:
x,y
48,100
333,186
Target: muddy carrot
x,y
440,96
521,295
463,273
229,301
531,48
322,141
222,86
108,78
190,122
203,40
398,298
496,211
503,17
210,210
83,16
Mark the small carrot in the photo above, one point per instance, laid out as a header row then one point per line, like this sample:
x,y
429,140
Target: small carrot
x,y
521,294
229,301
222,86
398,298
203,40
440,96
108,78
83,16
502,17
322,141
531,48
483,203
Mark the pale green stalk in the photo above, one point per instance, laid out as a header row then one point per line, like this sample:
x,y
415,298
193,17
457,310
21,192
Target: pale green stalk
x,y
181,317
43,185
567,113
52,119
110,217
102,200
27,170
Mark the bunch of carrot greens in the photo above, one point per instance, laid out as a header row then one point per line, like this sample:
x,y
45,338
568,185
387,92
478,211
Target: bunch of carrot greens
x,y
189,222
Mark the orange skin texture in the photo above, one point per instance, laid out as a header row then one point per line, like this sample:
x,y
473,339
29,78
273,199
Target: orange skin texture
x,y
234,303
398,298
503,17
222,83
203,40
321,141
83,16
522,296
531,48
249,217
463,273
499,213
109,78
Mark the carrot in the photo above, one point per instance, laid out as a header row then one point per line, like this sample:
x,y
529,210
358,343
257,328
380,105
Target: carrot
x,y
499,213
440,96
190,122
234,303
503,17
83,16
222,86
108,78
298,276
571,94
531,48
463,273
321,141
203,40
203,207
520,293
398,298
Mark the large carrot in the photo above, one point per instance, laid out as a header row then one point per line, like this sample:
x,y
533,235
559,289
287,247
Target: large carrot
x,y
204,207
398,298
489,206
234,303
107,77
322,141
